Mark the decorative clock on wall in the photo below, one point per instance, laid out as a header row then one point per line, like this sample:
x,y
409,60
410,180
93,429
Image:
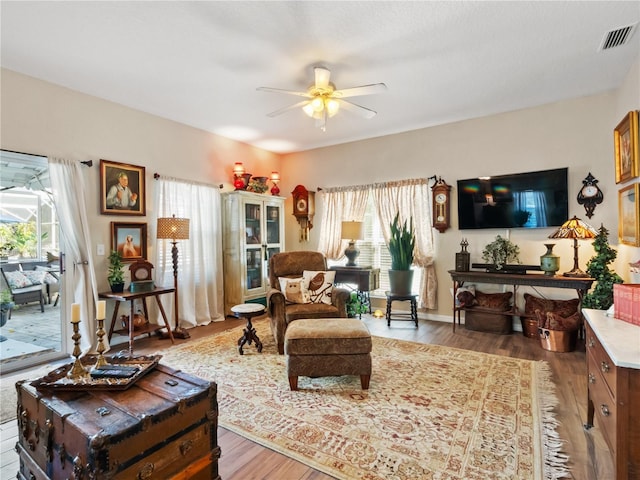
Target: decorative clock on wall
x,y
441,205
303,210
590,194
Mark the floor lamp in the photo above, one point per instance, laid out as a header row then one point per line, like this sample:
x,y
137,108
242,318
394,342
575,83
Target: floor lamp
x,y
576,229
174,229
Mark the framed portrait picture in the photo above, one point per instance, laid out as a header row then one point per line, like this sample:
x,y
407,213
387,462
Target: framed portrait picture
x,y
130,240
629,215
626,149
122,189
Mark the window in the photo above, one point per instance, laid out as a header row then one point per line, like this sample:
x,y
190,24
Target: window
x,y
374,251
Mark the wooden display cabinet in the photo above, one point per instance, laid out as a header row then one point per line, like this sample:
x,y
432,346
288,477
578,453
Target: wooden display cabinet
x,y
253,226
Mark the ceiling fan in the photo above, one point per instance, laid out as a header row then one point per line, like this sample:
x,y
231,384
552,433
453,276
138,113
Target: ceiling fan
x,y
323,100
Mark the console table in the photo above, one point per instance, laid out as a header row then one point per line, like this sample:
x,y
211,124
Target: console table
x,y
580,285
131,297
366,279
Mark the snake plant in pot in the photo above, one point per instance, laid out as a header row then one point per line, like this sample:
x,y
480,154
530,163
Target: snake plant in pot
x,y
401,244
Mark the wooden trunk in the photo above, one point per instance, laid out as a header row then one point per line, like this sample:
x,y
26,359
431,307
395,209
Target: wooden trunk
x,y
162,427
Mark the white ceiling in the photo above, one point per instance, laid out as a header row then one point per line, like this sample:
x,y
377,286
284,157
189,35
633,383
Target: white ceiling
x,y
199,63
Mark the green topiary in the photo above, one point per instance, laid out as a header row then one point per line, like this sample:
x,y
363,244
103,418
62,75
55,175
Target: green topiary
x,y
601,298
116,268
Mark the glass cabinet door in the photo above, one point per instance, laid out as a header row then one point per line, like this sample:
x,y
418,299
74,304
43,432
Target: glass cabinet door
x,y
254,265
273,224
252,220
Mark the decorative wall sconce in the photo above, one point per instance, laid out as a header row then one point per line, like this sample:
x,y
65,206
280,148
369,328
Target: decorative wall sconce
x,y
304,210
275,179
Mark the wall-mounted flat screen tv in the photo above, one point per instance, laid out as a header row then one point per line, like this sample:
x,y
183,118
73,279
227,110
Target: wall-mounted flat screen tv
x,y
520,200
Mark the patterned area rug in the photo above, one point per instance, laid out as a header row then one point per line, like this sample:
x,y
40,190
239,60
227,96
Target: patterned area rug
x,y
431,412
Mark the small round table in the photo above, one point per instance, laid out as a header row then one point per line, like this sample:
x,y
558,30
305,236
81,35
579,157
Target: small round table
x,y
248,311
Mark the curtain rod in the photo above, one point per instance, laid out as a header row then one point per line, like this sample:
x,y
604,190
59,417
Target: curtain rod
x,y
157,176
407,181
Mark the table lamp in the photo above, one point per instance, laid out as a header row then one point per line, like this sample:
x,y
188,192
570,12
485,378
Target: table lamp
x,y
576,229
352,231
174,229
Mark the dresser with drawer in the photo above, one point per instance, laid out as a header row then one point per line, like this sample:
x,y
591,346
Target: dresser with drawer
x,y
613,376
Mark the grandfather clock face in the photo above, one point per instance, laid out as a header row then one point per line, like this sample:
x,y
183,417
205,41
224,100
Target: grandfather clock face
x,y
441,205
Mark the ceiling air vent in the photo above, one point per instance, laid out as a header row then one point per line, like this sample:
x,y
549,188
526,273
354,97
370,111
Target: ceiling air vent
x,y
617,37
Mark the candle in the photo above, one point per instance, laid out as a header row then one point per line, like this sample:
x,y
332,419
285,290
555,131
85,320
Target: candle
x,y
75,313
100,309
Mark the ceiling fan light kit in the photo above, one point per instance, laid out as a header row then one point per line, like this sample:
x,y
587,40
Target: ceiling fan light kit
x,y
325,101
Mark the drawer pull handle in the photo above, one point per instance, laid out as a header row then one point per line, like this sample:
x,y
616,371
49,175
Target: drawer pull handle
x,y
185,447
592,378
146,471
605,410
604,366
592,342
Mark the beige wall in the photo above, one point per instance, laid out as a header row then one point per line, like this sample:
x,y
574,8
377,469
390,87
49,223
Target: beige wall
x,y
576,134
41,118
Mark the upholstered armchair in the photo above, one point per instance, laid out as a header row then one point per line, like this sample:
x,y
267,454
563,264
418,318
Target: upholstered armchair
x,y
282,313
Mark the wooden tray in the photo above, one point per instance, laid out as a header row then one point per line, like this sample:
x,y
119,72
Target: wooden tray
x,y
58,380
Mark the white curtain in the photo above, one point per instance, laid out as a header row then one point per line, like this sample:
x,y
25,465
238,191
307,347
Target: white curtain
x,y
340,204
68,186
412,199
200,275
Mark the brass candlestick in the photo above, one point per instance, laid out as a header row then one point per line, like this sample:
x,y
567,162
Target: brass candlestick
x,y
101,361
77,370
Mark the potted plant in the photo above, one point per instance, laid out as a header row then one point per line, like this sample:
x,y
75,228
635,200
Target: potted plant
x,y
401,244
355,306
500,252
6,304
601,298
116,272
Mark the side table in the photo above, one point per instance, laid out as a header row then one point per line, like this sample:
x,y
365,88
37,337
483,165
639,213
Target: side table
x,y
131,297
366,280
412,315
248,311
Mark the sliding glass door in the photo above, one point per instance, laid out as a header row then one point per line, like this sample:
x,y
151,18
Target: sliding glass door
x,y
31,331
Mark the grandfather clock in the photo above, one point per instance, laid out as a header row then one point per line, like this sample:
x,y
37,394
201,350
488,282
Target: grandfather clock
x,y
441,193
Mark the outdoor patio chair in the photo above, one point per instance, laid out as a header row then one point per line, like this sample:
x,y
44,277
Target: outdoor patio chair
x,y
21,295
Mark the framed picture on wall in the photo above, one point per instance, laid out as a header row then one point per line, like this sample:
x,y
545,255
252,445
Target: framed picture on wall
x,y
122,189
626,149
629,215
130,240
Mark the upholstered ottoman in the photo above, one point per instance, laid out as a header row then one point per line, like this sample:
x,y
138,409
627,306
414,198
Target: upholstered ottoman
x,y
327,347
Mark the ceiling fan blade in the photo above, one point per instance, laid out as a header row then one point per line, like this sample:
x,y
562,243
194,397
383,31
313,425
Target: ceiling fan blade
x,y
280,90
361,90
322,77
286,109
357,109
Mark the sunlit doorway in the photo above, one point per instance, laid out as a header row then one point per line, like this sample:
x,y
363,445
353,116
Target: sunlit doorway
x,y
31,281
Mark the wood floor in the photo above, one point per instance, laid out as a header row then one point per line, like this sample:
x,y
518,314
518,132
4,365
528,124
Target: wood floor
x,y
245,460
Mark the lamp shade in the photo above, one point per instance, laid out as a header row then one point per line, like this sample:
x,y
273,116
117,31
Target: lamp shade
x,y
574,228
173,228
352,231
